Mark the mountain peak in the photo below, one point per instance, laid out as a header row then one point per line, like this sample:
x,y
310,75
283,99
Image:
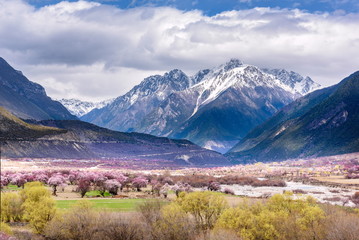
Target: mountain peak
x,y
199,76
4,64
233,63
26,99
79,108
175,75
295,81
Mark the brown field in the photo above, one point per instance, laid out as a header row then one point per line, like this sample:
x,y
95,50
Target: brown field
x,y
337,179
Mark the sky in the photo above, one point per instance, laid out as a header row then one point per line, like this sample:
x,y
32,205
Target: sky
x,y
95,50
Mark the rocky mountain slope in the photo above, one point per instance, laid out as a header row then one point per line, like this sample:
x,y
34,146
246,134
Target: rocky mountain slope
x,y
324,122
214,108
80,108
73,139
26,99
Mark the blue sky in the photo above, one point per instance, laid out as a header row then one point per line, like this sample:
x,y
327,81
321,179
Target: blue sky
x,y
212,7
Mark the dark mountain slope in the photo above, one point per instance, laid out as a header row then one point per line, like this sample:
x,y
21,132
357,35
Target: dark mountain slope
x,y
321,123
26,99
73,139
12,128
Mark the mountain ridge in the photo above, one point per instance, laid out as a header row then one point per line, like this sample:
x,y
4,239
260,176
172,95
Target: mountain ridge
x,y
26,99
321,123
73,139
172,111
79,108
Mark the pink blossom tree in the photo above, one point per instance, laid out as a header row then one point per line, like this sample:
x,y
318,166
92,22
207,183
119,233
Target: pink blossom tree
x,y
99,182
73,177
165,190
122,179
83,186
4,181
156,187
112,186
181,187
18,179
41,177
139,182
56,181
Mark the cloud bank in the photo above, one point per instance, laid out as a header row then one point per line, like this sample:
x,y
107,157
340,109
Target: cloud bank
x,y
94,51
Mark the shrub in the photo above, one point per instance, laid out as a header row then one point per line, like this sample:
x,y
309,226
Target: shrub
x,y
228,191
150,211
4,228
355,198
39,207
11,207
206,207
83,223
340,224
77,223
174,224
279,218
214,186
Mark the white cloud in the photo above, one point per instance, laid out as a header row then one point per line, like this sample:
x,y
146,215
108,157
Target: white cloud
x,y
93,51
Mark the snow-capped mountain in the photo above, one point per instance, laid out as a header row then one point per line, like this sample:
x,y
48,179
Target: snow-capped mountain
x,y
80,108
294,80
127,111
214,108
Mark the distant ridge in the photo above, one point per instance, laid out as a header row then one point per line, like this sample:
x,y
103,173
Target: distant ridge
x,y
73,139
80,108
215,108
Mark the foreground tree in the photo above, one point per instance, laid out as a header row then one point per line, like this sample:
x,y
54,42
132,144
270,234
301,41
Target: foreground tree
x,y
280,218
174,223
39,207
11,207
206,207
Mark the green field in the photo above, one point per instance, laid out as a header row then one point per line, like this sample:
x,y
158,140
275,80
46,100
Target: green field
x,y
96,193
106,204
12,187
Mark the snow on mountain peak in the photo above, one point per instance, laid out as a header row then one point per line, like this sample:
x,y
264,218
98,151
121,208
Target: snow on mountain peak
x,y
236,75
294,80
233,63
80,108
228,96
199,76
